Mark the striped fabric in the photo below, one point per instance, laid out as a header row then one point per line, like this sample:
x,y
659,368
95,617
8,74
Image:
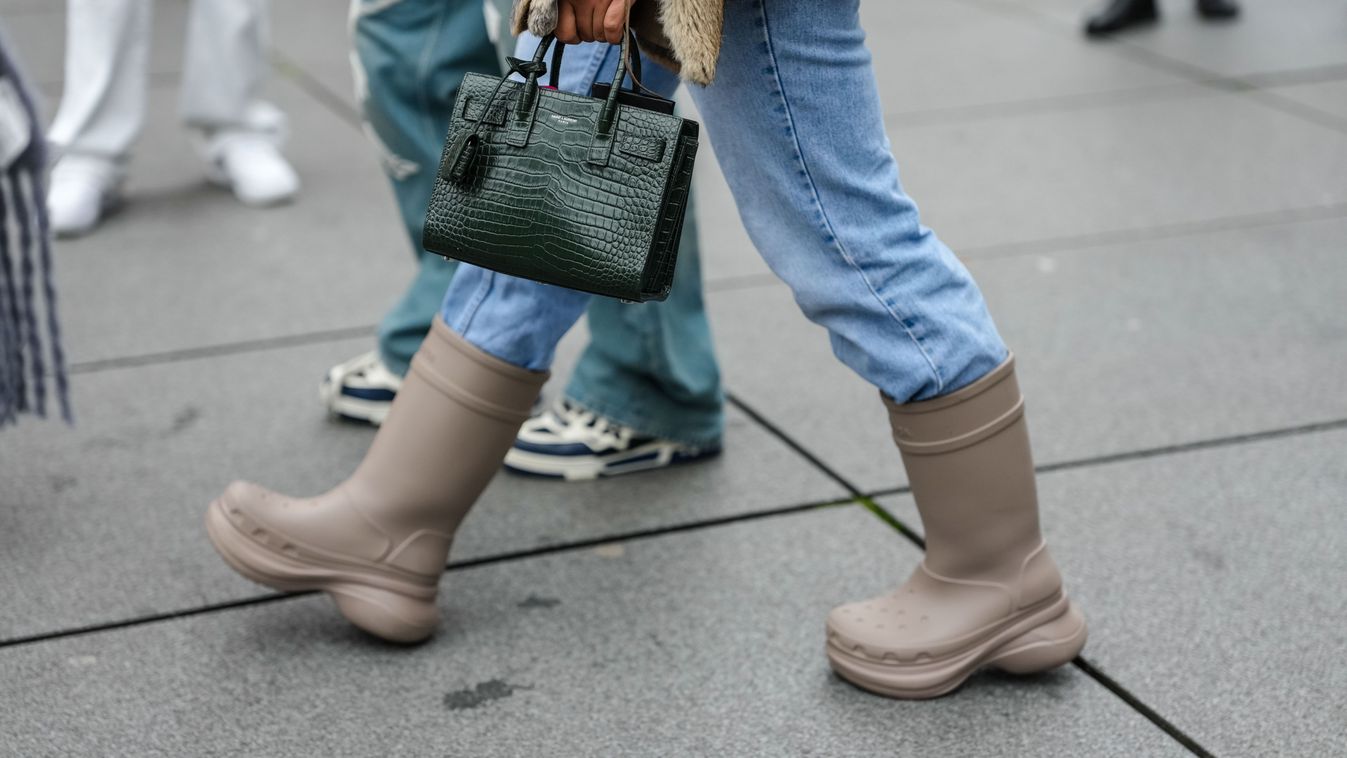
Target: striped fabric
x,y
32,364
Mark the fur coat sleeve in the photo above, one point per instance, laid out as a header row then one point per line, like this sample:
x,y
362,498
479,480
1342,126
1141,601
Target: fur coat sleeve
x,y
681,34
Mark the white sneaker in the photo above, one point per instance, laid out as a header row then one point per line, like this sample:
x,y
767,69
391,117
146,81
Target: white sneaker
x,y
361,389
252,166
82,189
571,443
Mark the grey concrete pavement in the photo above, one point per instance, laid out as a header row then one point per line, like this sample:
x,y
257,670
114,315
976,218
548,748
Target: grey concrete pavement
x,y
1212,578
1159,223
683,645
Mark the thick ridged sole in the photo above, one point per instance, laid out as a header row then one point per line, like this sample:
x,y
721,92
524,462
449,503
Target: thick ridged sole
x,y
1039,641
393,610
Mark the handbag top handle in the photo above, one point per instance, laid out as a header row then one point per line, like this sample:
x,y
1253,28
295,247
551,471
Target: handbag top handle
x,y
532,69
634,64
536,67
467,146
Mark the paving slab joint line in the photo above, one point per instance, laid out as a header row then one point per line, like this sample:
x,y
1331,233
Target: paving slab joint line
x,y
865,501
1213,443
868,502
1331,72
1247,85
1080,662
1165,725
1046,105
790,442
998,251
315,88
453,566
222,349
1193,75
1310,113
1214,225
883,514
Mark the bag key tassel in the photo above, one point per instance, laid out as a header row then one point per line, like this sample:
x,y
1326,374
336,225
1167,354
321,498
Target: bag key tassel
x,y
462,154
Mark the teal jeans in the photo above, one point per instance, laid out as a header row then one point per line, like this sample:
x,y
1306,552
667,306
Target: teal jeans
x,y
648,366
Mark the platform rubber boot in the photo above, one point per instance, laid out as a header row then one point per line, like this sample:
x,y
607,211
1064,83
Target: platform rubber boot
x,y
378,542
987,592
1122,14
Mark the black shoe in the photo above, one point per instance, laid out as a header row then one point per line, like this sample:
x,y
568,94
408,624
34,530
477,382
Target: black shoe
x,y
1218,8
1121,14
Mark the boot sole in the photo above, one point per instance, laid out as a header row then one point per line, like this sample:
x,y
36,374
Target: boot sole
x,y
407,614
1040,641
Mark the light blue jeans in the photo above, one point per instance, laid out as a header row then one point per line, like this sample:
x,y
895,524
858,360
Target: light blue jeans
x,y
649,367
795,117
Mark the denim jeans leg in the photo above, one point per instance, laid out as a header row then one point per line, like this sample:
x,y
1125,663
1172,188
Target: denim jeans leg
x,y
411,55
517,320
795,116
650,366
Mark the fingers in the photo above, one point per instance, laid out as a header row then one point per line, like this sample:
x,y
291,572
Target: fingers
x,y
613,20
591,20
584,21
596,22
566,25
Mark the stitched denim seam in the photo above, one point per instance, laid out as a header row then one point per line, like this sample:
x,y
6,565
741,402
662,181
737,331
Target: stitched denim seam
x,y
818,203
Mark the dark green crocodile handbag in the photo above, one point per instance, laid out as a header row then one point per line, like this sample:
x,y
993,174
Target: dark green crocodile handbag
x,y
583,192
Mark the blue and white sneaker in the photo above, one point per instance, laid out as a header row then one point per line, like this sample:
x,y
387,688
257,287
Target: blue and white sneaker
x,y
571,443
361,389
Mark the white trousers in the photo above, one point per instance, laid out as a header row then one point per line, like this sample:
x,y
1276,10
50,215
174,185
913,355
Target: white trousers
x,y
106,70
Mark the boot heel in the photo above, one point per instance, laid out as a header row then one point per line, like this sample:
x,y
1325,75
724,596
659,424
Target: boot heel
x,y
383,613
1044,647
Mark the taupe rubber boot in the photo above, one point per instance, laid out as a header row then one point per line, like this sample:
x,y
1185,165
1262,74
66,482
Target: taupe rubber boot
x,y
987,592
378,542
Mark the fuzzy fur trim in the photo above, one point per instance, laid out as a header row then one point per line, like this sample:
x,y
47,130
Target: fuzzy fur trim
x,y
692,29
537,16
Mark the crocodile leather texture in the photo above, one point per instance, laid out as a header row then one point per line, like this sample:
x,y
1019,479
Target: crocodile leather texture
x,y
536,183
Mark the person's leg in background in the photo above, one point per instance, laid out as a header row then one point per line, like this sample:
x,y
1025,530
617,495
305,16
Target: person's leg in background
x,y
102,108
1119,15
795,115
646,392
408,58
225,63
